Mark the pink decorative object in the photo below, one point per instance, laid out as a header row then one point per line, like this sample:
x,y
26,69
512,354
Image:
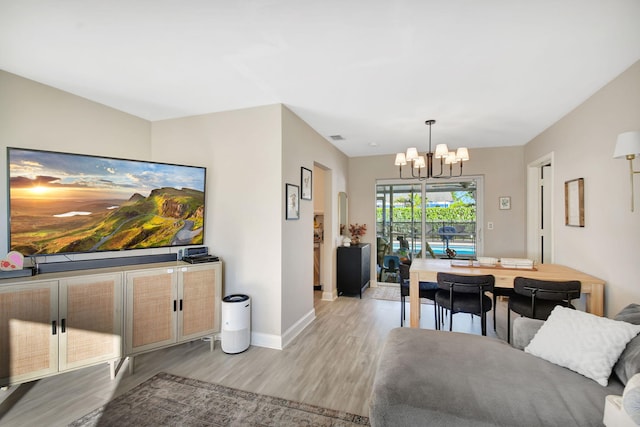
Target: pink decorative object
x,y
13,261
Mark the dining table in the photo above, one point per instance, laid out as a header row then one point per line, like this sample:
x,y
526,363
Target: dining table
x,y
426,270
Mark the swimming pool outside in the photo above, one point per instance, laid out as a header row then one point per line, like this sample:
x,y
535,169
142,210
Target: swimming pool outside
x,y
439,248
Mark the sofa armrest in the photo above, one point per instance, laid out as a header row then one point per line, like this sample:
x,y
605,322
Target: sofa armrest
x,y
524,329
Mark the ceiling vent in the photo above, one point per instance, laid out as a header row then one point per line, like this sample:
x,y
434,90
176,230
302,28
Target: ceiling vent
x,y
337,137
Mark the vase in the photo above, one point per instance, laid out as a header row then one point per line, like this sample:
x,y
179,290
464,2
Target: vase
x,y
355,240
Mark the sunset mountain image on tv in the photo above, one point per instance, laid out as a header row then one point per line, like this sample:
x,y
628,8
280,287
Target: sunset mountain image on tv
x,y
68,203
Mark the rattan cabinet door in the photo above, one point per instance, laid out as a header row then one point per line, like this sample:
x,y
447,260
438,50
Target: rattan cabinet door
x,y
151,309
90,320
199,295
28,331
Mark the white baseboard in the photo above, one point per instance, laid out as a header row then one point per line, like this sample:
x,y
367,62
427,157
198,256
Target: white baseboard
x,y
279,342
266,340
298,327
329,296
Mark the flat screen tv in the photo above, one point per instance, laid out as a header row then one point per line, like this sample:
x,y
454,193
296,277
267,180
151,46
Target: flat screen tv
x,y
62,203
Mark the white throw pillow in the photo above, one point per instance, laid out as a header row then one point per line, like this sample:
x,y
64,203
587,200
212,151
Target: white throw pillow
x,y
582,342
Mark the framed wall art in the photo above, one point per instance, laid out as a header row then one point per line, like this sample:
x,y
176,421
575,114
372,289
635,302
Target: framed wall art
x,y
306,182
574,202
292,204
504,202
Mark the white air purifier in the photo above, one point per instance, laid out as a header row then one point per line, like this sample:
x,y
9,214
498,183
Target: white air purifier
x,y
236,323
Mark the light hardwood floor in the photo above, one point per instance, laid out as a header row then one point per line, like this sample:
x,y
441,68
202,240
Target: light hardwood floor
x,y
332,363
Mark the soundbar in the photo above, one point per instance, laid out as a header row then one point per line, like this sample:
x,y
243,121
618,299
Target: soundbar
x,y
8,274
54,267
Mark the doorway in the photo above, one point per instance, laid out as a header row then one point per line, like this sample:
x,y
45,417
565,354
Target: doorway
x,y
318,185
540,210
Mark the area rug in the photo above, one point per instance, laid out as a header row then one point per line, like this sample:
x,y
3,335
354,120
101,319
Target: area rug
x,y
169,400
391,293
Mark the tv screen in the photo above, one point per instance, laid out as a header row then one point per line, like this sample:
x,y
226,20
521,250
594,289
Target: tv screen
x,y
62,203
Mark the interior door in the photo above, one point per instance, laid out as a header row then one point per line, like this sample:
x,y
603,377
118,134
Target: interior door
x,y
544,231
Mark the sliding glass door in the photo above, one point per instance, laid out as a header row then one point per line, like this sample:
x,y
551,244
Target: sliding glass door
x,y
438,218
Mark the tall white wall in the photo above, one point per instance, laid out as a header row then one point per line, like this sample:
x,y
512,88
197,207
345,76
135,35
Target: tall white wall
x,y
242,151
583,142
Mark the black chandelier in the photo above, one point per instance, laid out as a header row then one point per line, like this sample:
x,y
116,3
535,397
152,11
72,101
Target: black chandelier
x,y
420,162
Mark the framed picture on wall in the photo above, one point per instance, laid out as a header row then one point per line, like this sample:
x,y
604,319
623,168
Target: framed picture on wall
x,y
574,202
292,201
306,182
505,202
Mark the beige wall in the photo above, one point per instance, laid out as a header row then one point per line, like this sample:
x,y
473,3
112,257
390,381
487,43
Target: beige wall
x,y
583,142
36,116
243,200
303,146
504,175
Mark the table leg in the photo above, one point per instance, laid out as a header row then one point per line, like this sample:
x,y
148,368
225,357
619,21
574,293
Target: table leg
x,y
414,300
595,300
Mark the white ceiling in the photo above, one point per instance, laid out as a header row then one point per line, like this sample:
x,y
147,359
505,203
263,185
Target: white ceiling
x,y
491,72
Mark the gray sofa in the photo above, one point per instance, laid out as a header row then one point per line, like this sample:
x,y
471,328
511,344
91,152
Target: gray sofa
x,y
437,378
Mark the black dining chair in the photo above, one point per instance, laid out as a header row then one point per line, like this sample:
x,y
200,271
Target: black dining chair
x,y
427,290
465,294
536,299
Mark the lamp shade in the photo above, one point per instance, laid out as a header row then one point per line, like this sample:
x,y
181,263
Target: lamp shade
x,y
419,163
412,153
401,160
627,143
441,151
451,158
462,154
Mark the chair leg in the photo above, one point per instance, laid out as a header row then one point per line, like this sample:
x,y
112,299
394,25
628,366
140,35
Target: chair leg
x,y
494,311
440,316
508,325
435,315
401,311
450,320
483,323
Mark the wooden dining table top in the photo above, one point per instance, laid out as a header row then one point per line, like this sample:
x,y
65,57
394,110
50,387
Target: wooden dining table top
x,y
427,269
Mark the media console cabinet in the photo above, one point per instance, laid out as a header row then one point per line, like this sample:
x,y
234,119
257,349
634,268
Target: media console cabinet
x,y
56,322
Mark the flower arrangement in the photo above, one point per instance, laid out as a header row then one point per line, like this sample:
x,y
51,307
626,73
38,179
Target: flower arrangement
x,y
357,231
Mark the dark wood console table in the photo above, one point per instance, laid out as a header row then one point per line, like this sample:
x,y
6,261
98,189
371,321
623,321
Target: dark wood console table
x,y
354,269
